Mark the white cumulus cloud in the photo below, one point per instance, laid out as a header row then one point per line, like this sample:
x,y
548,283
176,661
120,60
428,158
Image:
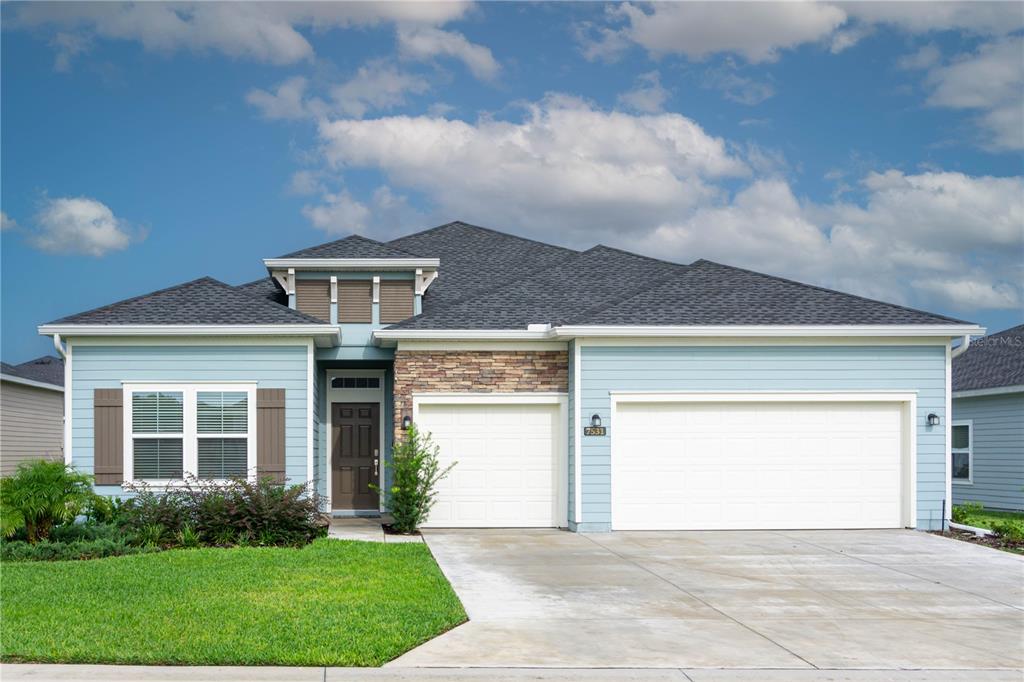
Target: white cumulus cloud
x,y
647,96
428,42
260,31
80,225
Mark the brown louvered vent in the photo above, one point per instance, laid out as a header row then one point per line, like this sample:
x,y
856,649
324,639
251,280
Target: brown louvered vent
x,y
396,301
355,301
313,297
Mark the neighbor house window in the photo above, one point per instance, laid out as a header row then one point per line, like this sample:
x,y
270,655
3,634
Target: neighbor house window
x,y
178,431
963,458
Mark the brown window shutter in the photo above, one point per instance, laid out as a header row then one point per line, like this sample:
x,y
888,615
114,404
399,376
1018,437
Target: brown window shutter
x,y
108,435
396,301
313,297
270,433
355,301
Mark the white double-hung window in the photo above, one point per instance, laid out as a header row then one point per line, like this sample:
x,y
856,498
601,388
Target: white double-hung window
x,y
178,431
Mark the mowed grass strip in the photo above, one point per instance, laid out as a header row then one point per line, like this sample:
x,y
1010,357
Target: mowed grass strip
x,y
333,602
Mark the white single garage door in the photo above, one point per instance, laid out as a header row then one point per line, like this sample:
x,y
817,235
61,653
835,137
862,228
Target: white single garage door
x,y
507,464
756,465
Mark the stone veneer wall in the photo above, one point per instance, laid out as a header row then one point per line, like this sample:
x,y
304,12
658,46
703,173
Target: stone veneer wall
x,y
478,371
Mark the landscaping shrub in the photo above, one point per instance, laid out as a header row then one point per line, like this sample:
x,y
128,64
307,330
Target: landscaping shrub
x,y
41,494
65,551
76,532
415,473
963,512
240,512
1011,529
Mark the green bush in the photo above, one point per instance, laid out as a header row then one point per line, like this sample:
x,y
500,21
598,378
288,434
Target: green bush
x,y
76,532
102,509
41,494
1011,529
415,473
241,512
962,512
46,550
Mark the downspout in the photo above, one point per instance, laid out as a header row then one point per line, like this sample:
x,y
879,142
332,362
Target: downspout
x,y
61,351
962,348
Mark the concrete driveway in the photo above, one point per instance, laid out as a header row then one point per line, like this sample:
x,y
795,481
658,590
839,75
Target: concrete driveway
x,y
792,600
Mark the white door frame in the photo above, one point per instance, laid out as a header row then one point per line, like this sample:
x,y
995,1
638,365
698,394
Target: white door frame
x,y
561,445
353,395
908,413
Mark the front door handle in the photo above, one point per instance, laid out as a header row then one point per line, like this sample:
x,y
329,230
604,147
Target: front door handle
x,y
376,468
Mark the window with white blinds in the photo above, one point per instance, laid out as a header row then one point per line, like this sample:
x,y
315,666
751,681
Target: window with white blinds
x,y
179,431
158,434
222,420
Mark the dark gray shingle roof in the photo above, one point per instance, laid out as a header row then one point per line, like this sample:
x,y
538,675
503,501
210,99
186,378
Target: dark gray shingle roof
x,y
353,246
990,362
266,287
708,293
47,369
553,295
201,301
476,259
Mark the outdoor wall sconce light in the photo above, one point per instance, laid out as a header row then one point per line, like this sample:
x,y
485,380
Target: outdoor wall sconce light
x,y
595,420
406,422
933,419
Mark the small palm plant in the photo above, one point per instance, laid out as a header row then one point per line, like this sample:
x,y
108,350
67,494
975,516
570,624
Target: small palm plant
x,y
415,473
40,495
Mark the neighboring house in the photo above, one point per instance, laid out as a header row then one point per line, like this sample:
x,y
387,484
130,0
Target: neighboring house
x,y
593,390
31,412
988,422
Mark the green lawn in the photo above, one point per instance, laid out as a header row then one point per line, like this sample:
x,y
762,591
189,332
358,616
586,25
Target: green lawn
x,y
332,603
986,518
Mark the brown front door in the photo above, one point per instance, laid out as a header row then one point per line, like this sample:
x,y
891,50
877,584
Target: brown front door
x,y
355,455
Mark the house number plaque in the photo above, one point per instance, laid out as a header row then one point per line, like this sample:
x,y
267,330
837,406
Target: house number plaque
x,y
595,431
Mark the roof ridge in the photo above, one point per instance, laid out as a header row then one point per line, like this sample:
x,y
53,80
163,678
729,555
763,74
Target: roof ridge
x,y
485,229
697,263
635,255
132,299
353,236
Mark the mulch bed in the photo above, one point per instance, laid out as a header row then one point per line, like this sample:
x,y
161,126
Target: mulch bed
x,y
994,541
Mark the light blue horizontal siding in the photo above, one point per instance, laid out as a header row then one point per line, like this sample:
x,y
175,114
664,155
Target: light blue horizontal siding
x,y
998,447
95,367
919,369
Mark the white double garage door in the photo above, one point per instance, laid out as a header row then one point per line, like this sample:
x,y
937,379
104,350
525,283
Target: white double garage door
x,y
683,461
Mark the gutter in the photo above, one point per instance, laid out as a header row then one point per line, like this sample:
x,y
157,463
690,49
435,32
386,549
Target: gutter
x,y
545,332
328,333
31,382
962,348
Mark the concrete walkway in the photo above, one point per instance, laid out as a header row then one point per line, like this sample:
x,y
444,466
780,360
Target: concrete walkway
x,y
366,529
811,600
112,673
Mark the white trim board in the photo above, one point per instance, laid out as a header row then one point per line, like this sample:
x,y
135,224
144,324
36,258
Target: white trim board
x,y
908,455
68,376
31,382
995,390
484,345
353,263
969,423
560,399
946,332
297,341
326,334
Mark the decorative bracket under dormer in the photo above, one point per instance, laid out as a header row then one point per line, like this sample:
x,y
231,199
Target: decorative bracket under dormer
x,y
286,279
424,280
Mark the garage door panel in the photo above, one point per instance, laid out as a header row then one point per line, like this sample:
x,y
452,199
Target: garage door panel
x,y
506,457
748,465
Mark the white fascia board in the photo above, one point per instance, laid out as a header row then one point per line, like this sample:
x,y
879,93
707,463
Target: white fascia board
x,y
31,382
325,333
391,336
995,390
721,331
353,263
950,331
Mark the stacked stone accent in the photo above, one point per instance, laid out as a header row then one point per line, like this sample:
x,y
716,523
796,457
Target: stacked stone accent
x,y
476,371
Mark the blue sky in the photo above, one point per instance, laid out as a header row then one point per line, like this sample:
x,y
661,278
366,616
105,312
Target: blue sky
x,y
875,148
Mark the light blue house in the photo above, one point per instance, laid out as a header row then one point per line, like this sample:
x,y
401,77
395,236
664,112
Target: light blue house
x,y
988,422
593,390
